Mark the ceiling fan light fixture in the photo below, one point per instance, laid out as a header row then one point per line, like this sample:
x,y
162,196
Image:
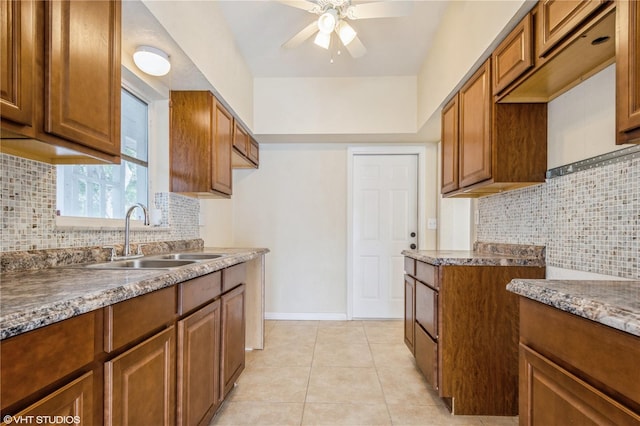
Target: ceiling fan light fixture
x,y
323,40
327,21
152,60
345,32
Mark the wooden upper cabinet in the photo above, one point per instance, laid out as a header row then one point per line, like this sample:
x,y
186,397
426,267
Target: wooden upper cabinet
x,y
200,144
60,80
82,97
221,176
628,72
558,18
475,127
245,148
17,60
450,146
254,152
514,55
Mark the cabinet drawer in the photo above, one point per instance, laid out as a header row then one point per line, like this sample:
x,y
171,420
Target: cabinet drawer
x,y
410,266
427,309
427,274
233,276
198,291
427,356
129,320
63,348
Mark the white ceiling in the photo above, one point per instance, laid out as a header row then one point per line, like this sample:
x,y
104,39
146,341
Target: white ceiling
x,y
395,46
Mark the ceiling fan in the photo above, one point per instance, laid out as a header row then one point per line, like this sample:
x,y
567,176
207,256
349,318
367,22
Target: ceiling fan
x,y
333,16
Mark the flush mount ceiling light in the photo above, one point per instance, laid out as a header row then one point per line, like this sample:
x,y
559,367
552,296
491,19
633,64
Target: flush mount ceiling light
x,y
152,60
333,16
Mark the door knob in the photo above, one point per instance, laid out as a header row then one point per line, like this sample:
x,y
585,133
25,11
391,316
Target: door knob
x,y
413,234
413,246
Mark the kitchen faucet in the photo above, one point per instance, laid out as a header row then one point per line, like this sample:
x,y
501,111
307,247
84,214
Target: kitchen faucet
x,y
126,251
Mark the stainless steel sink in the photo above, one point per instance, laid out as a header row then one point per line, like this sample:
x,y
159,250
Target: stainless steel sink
x,y
142,264
190,256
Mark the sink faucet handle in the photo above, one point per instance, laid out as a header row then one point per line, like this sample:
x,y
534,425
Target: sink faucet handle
x,y
113,252
139,249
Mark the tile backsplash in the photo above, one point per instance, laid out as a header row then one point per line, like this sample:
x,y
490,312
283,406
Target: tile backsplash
x,y
588,220
28,202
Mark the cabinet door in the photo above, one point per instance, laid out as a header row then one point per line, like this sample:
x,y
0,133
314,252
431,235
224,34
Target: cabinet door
x,y
74,400
240,139
409,312
513,56
427,309
475,128
426,351
449,146
233,336
199,392
140,383
557,18
82,78
254,152
550,395
17,60
221,177
628,71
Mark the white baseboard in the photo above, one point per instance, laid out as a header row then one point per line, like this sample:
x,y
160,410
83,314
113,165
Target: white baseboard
x,y
305,316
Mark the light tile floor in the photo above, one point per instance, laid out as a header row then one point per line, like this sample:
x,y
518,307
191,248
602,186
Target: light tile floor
x,y
337,373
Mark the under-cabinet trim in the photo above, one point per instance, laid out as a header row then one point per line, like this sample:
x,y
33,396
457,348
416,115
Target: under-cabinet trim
x,y
607,159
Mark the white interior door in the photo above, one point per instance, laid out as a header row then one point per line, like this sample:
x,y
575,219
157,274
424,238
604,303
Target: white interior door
x,y
385,222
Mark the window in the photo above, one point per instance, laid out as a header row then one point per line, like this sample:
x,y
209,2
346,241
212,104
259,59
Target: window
x,y
108,191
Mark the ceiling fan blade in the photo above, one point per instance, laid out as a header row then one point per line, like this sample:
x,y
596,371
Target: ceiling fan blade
x,y
299,38
299,4
381,9
356,48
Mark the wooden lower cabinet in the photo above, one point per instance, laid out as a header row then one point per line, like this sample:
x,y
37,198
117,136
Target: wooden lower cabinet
x,y
409,312
199,392
574,371
71,404
140,383
233,332
466,335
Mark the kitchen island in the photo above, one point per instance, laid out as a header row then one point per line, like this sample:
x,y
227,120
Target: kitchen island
x,y
462,325
579,351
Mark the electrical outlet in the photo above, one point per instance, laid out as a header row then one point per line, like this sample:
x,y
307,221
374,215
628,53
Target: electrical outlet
x,y
476,217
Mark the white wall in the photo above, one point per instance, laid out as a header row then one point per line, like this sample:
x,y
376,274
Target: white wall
x,y
366,105
202,33
581,123
295,205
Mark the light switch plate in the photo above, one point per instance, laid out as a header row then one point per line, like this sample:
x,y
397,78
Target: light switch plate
x,y
432,223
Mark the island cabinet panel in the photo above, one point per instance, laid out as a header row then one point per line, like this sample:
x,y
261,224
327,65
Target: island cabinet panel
x,y
140,383
64,348
199,391
557,19
628,71
514,55
475,128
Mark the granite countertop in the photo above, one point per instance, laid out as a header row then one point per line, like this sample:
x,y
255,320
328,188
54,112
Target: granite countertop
x,y
483,254
36,298
612,303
